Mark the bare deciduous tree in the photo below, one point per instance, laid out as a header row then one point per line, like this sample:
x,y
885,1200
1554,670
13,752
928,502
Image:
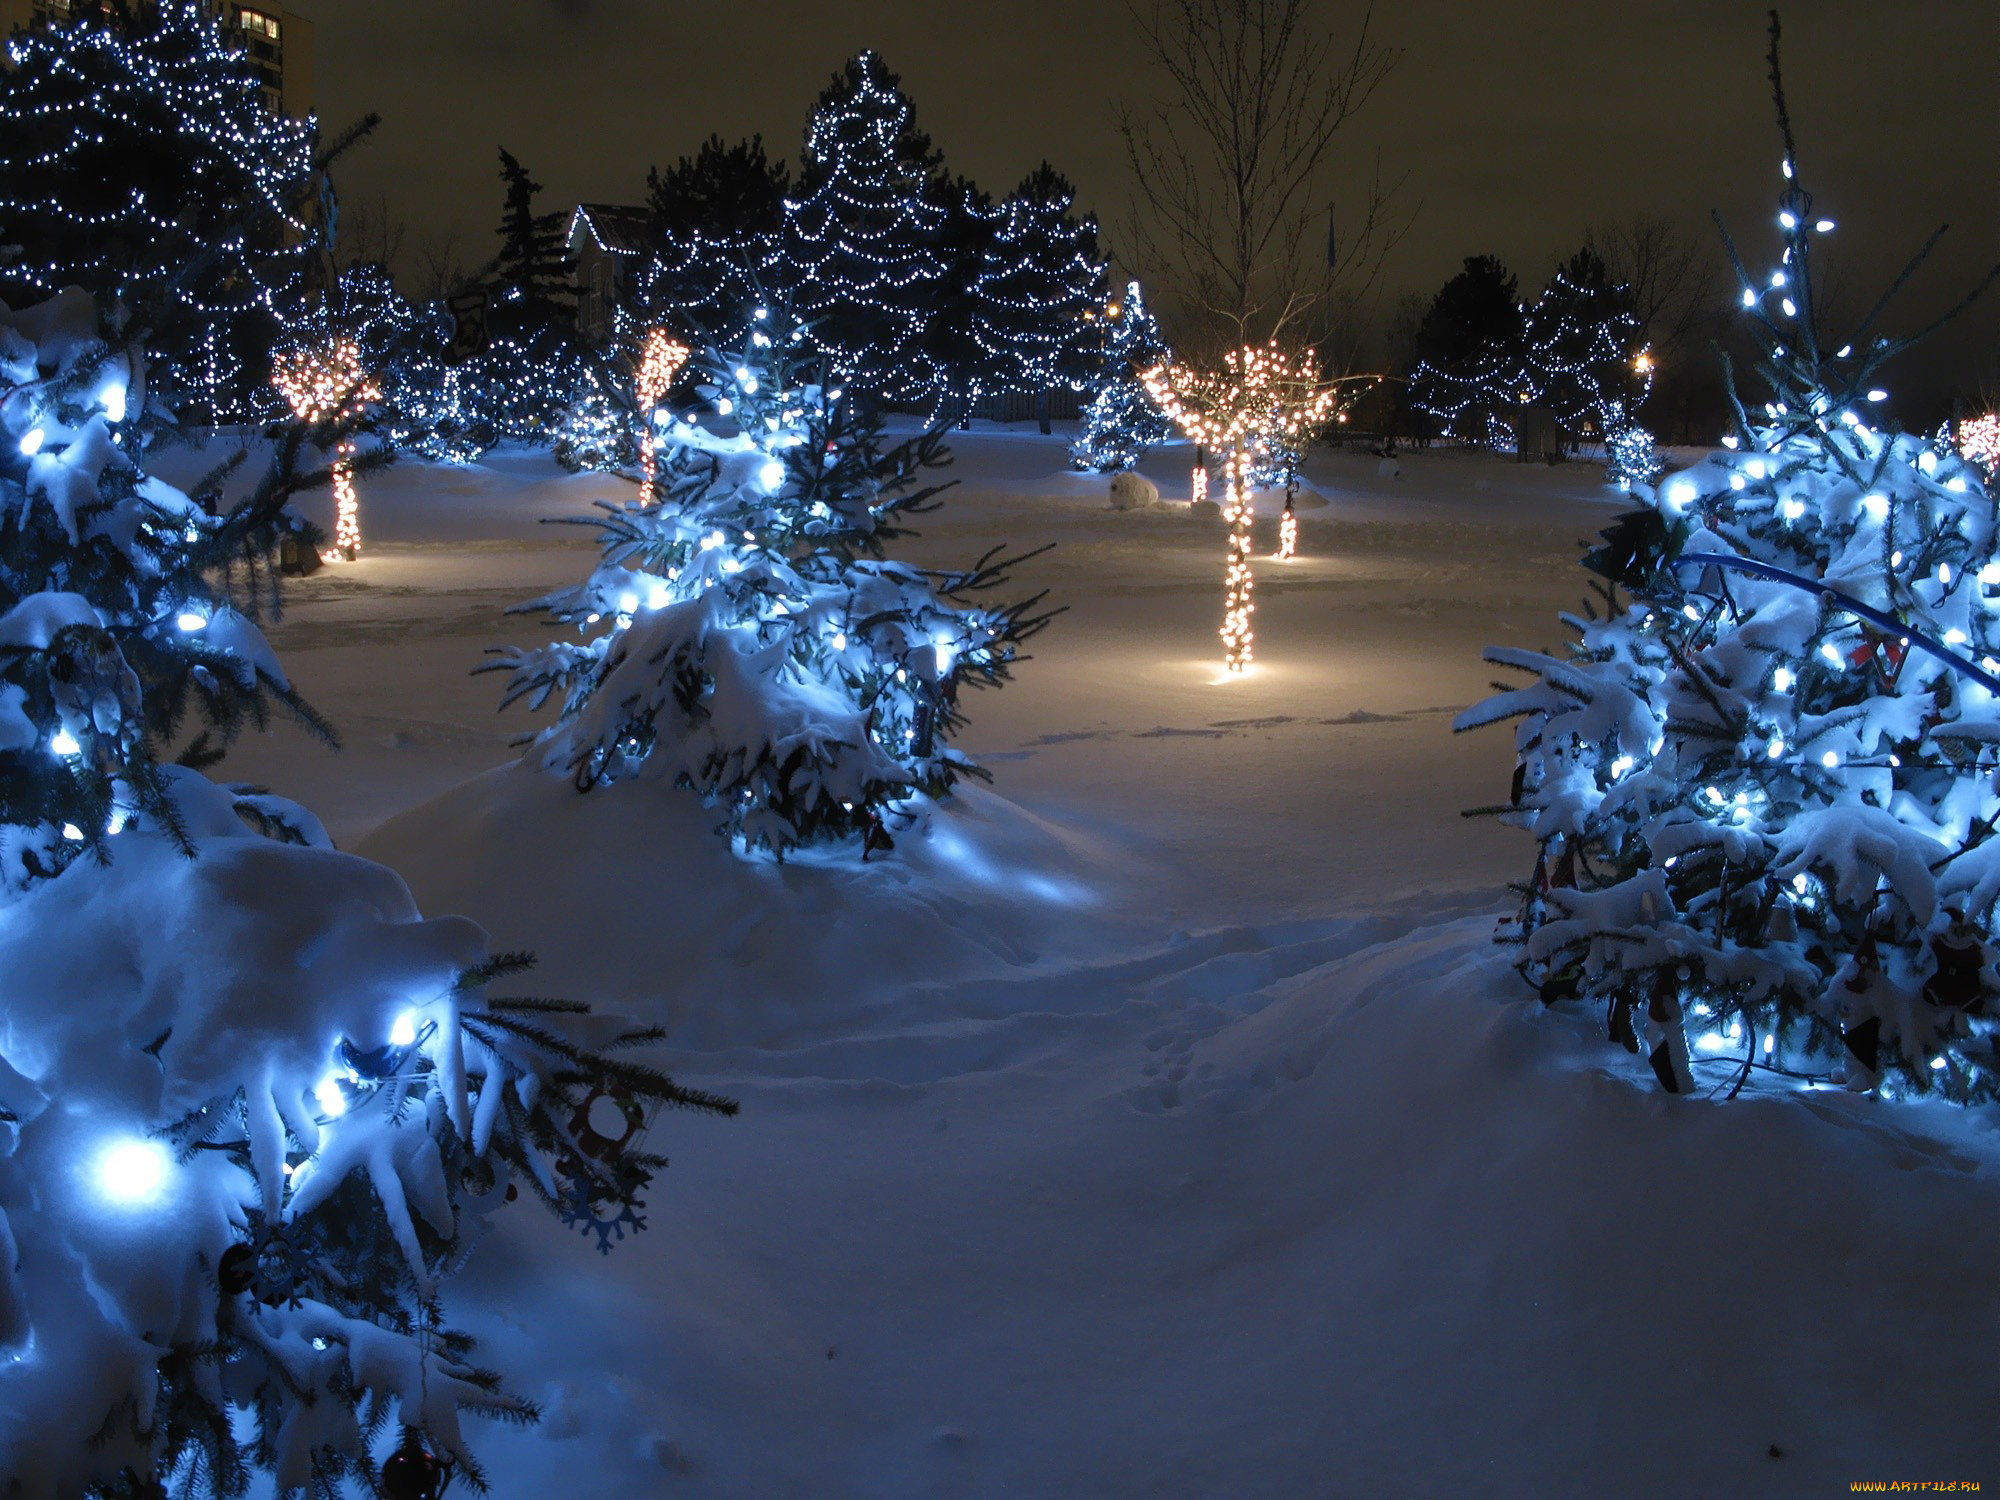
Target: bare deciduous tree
x,y
1233,171
369,232
1674,278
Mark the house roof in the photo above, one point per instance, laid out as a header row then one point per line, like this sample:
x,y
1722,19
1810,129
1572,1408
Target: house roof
x,y
617,227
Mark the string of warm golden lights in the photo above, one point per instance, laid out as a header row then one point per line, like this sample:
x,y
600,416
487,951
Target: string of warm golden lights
x,y
1979,440
660,359
1259,395
1288,534
329,385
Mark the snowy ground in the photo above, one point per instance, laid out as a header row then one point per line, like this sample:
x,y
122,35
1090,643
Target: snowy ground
x,y
1161,1122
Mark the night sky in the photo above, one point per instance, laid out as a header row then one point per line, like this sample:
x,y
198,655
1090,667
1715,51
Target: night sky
x,y
1517,124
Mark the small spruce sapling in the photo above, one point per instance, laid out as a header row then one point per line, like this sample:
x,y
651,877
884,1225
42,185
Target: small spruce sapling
x,y
1763,778
745,637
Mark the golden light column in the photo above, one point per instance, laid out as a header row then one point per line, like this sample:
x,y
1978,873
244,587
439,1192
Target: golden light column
x,y
328,385
1260,394
1979,440
660,360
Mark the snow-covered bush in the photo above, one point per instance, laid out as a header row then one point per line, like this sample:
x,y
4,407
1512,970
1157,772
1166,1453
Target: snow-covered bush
x,y
1131,491
1763,779
744,636
252,1106
252,1111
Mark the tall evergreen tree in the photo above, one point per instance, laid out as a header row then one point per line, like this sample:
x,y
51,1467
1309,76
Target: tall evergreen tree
x,y
143,165
532,371
864,245
533,278
1470,373
1039,275
720,192
1581,347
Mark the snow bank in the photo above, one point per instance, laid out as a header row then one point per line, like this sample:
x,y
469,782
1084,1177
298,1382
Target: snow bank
x,y
628,894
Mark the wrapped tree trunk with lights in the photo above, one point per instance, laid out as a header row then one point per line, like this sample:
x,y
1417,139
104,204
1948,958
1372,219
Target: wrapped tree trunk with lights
x,y
744,637
327,388
253,1107
1763,778
660,359
1261,401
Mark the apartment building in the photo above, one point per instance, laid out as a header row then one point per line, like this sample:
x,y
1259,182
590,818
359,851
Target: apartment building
x,y
278,42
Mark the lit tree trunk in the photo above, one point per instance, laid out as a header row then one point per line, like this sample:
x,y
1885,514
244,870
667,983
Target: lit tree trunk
x,y
324,385
660,359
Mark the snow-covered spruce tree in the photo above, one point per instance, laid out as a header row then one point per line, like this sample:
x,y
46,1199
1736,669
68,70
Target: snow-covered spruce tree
x,y
252,1107
744,636
1122,421
143,165
863,243
1763,779
126,607
1038,277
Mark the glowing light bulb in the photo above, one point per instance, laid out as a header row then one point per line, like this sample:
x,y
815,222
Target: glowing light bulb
x,y
73,833
64,743
840,640
404,1032
1829,760
1776,748
1790,307
1990,574
1830,651
1788,220
1944,574
1876,505
112,399
1781,679
1749,297
946,649
772,474
1621,765
1878,395
331,1096
1825,226
1955,637
31,442
724,405
190,621
132,1172
1794,509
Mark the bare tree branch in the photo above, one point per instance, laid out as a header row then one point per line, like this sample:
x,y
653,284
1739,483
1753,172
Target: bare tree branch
x,y
1233,171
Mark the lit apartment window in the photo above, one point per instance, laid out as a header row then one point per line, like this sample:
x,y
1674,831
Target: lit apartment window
x,y
258,24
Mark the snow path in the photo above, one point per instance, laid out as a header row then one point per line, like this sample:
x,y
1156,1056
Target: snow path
x,y
1164,1124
